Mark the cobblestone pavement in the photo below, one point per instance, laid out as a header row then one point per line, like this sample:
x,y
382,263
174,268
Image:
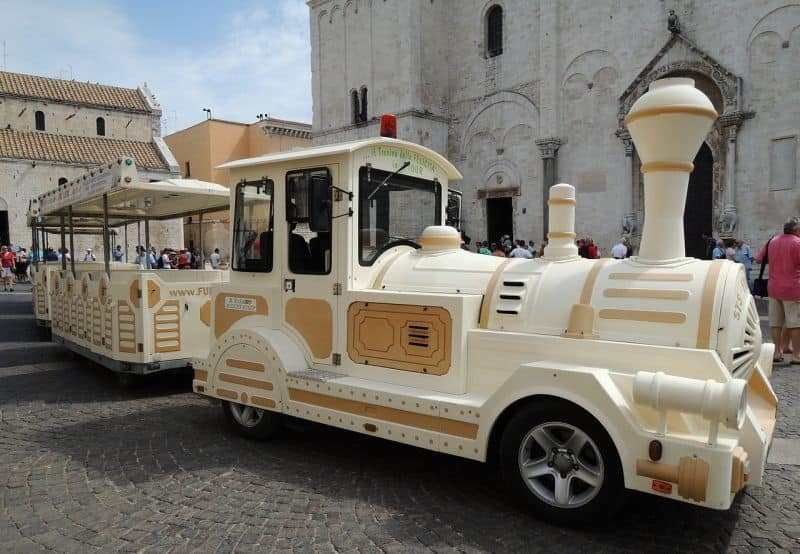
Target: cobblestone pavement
x,y
86,464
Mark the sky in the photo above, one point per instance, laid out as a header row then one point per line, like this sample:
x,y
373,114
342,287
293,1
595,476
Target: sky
x,y
239,58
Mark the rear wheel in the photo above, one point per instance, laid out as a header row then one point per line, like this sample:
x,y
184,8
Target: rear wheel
x,y
250,422
558,460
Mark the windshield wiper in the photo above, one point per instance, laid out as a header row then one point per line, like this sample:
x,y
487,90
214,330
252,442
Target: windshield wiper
x,y
383,183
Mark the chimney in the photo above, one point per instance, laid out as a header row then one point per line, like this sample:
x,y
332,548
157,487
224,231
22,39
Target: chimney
x,y
668,125
561,234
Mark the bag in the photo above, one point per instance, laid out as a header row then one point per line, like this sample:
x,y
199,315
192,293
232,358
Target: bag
x,y
761,285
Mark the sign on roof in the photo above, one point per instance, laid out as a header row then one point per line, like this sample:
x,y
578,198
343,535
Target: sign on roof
x,y
92,184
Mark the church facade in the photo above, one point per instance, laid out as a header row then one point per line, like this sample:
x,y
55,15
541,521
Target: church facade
x,y
522,94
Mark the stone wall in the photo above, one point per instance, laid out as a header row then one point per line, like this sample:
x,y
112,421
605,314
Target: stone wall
x,y
563,74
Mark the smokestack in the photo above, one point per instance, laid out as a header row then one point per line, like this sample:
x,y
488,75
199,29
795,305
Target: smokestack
x,y
667,125
561,234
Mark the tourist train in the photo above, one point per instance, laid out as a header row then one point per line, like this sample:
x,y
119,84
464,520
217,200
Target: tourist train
x,y
350,304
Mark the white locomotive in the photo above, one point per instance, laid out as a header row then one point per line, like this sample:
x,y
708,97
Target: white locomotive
x,y
350,304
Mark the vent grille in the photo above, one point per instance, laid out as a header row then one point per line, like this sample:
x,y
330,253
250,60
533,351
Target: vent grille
x,y
744,357
511,296
418,335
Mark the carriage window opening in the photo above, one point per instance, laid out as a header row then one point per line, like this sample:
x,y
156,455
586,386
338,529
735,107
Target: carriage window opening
x,y
39,116
308,217
253,226
494,31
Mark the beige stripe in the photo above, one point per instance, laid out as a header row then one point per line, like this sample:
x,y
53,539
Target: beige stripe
x,y
676,109
669,294
246,381
561,201
440,241
242,364
201,374
393,415
382,273
591,279
561,235
707,306
263,402
229,394
649,276
644,315
487,296
653,167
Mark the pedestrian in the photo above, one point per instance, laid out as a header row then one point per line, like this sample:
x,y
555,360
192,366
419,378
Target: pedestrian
x,y
7,262
520,251
22,266
592,252
484,249
783,252
619,251
730,254
532,248
89,256
215,259
710,242
153,258
51,255
745,257
165,262
498,250
719,251
118,254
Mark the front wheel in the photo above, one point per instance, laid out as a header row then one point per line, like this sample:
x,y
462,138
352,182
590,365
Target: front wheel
x,y
250,422
557,459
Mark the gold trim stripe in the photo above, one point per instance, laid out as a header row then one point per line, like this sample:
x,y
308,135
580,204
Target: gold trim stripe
x,y
644,315
591,279
707,306
653,167
201,374
440,241
668,294
483,318
649,276
246,381
561,235
561,201
393,415
243,364
229,394
675,109
263,402
382,273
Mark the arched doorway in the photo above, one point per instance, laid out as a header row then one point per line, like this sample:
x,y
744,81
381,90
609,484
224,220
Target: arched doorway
x,y
698,214
5,236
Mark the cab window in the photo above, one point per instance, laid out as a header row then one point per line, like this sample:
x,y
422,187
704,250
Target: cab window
x,y
308,217
253,226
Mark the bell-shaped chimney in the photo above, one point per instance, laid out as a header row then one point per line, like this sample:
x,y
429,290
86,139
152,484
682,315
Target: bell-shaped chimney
x,y
667,125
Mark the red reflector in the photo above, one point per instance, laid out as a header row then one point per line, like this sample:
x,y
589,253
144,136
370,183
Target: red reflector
x,y
662,486
370,427
388,126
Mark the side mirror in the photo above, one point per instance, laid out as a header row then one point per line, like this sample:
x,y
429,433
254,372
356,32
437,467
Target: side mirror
x,y
319,204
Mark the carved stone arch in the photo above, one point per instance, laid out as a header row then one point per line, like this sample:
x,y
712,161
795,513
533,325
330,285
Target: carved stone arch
x,y
506,96
589,63
336,8
321,15
3,205
514,128
506,167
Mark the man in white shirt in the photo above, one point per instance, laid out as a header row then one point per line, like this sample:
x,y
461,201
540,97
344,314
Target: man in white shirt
x,y
619,251
520,251
215,259
89,257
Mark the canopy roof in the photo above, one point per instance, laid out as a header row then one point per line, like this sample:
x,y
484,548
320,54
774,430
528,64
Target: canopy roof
x,y
129,199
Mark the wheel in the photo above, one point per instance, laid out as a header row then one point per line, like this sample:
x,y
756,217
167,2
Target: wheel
x,y
253,423
558,460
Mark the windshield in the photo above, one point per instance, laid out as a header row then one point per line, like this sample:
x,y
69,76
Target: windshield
x,y
393,213
252,228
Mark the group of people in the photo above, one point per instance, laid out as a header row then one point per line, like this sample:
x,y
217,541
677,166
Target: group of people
x,y
506,248
170,258
13,266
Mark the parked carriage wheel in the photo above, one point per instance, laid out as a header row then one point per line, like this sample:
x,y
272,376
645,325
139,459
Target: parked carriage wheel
x,y
558,460
250,422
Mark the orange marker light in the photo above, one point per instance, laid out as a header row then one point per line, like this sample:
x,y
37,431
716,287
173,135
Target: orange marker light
x,y
388,126
662,486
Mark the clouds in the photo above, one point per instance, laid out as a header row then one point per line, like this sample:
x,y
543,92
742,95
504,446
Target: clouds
x,y
239,59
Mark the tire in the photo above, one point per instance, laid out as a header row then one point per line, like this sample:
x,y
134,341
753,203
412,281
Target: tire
x,y
252,423
574,472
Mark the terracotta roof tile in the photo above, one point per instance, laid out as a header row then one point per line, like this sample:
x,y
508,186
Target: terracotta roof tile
x,y
34,145
32,86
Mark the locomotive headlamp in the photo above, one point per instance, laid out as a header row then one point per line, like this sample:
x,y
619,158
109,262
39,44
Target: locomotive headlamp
x,y
724,403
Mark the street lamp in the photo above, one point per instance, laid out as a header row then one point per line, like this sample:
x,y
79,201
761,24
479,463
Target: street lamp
x,y
208,112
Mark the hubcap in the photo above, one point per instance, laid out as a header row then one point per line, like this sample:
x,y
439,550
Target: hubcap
x,y
561,465
246,416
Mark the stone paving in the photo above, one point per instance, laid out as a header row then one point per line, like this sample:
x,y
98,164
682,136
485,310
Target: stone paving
x,y
86,464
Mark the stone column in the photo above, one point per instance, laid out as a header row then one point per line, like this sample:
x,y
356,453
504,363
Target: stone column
x,y
729,218
629,223
548,148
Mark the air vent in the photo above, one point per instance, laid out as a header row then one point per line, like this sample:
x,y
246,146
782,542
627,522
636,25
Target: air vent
x,y
511,296
744,357
419,336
